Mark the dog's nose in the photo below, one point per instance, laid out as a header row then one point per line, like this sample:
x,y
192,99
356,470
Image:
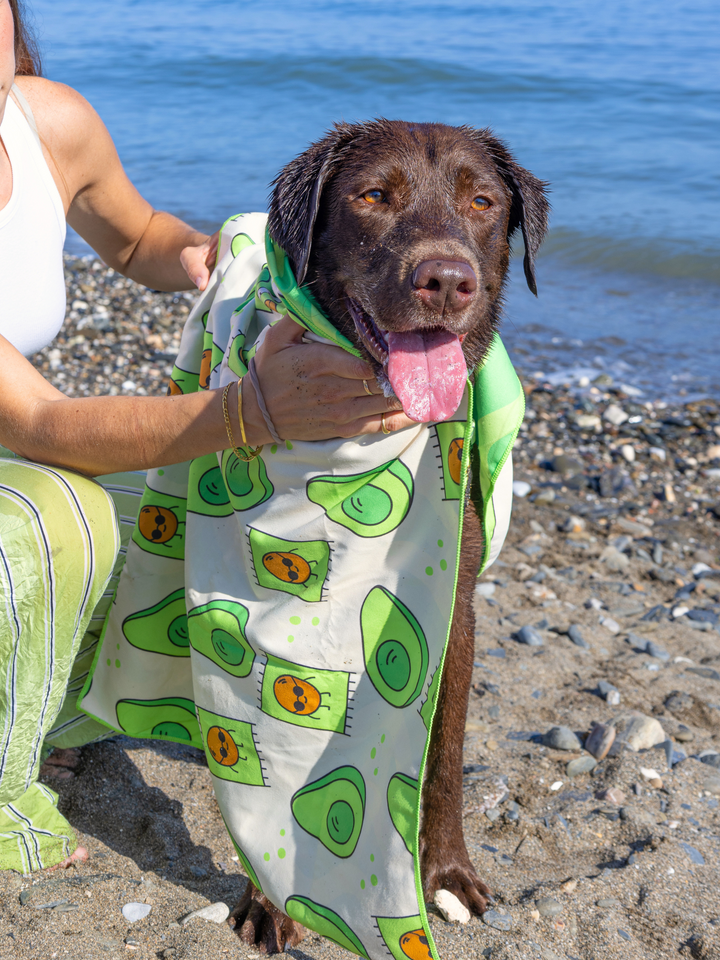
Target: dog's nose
x,y
445,285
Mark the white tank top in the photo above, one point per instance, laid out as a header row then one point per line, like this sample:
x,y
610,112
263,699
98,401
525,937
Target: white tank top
x,y
32,234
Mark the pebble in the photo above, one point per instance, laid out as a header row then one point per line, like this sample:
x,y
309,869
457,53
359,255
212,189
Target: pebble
x,y
628,452
607,903
575,634
561,738
135,911
684,734
529,636
615,560
573,525
710,757
594,604
655,650
214,912
712,785
580,765
611,795
638,731
615,415
612,625
647,773
600,739
521,488
608,692
692,852
449,906
485,589
658,453
497,920
547,907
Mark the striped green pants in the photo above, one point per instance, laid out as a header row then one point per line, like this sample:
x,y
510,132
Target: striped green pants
x,y
62,545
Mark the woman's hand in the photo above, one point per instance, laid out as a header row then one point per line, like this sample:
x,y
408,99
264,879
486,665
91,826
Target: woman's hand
x,y
315,391
199,261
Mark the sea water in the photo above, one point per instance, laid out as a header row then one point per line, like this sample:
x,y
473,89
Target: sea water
x,y
616,105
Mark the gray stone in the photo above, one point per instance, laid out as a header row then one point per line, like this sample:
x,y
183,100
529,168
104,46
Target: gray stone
x,y
497,920
694,854
638,731
684,734
608,692
135,911
485,589
561,738
607,903
637,815
547,907
214,913
575,634
580,765
710,757
493,814
712,785
615,561
615,415
678,701
655,650
707,672
599,740
530,636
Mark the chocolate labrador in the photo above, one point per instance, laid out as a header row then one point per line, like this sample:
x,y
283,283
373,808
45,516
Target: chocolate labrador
x,y
402,231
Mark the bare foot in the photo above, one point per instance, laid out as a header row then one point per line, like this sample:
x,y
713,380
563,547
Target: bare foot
x,y
80,855
260,924
60,764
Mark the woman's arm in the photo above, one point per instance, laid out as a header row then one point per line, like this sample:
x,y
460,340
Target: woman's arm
x,y
100,201
313,391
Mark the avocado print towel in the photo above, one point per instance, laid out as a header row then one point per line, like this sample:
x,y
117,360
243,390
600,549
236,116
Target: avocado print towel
x,y
290,616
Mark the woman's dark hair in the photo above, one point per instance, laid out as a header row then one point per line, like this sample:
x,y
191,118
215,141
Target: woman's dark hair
x,y
27,54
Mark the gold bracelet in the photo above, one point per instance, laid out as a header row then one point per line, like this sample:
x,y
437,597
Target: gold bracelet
x,y
228,426
240,416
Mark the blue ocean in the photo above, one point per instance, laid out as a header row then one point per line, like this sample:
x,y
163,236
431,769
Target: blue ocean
x,y
616,104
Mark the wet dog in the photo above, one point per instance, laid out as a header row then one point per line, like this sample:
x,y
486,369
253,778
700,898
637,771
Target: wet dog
x,y
402,232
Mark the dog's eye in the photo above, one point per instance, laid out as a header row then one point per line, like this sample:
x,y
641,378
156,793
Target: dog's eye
x,y
373,196
480,203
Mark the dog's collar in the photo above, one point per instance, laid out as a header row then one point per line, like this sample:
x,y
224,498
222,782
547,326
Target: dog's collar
x,y
298,301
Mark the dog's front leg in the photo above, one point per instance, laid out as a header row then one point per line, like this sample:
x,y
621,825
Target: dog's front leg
x,y
444,858
260,924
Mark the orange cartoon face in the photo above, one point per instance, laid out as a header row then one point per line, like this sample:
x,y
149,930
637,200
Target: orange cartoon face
x,y
173,389
296,696
415,944
288,567
222,747
204,381
455,452
157,524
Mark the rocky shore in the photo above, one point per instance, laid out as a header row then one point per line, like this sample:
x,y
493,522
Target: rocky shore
x,y
592,754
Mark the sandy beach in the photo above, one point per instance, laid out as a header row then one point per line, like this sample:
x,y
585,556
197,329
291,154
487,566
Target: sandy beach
x,y
601,615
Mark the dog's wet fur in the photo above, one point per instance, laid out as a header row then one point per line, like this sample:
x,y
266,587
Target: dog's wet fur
x,y
397,226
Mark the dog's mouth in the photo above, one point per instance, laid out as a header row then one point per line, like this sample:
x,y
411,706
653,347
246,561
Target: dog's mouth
x,y
426,366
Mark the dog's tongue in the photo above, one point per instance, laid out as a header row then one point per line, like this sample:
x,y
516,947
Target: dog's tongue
x,y
427,371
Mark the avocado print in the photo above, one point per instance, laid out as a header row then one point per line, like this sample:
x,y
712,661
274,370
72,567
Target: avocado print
x,y
207,493
230,749
239,242
170,718
160,527
402,800
305,696
161,628
405,937
236,361
217,630
370,504
296,567
450,440
182,381
247,484
325,922
332,809
394,645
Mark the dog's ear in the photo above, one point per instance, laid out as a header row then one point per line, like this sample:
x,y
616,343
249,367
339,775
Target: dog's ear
x,y
529,208
295,198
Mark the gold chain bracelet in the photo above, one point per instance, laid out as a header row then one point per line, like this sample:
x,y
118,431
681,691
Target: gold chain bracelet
x,y
228,426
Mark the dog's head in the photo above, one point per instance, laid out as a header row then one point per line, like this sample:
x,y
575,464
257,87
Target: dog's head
x,y
402,231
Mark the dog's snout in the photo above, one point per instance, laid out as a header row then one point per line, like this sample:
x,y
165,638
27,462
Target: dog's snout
x,y
445,285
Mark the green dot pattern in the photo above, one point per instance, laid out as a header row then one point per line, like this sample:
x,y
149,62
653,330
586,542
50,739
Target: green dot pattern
x,y
429,571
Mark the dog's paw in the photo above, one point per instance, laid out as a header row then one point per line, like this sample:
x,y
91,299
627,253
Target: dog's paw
x,y
261,925
461,880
